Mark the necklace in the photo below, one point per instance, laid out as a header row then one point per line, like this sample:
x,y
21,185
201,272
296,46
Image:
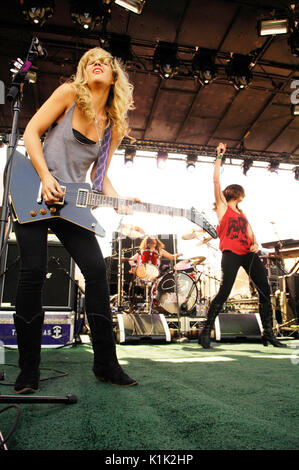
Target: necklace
x,y
96,123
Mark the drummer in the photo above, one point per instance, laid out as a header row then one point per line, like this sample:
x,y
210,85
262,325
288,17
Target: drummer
x,y
152,243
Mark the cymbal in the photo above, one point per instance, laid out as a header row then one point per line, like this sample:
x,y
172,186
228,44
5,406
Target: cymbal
x,y
197,260
131,231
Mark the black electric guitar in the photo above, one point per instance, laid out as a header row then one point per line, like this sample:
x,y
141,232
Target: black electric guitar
x,y
28,205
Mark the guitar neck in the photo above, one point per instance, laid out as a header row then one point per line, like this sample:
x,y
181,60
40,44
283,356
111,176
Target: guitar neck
x,y
97,200
94,199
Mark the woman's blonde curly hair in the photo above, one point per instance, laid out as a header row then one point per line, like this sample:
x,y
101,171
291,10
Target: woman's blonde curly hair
x,y
120,99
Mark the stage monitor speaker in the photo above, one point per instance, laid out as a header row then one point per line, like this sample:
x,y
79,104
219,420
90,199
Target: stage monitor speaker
x,y
293,297
142,328
238,326
59,291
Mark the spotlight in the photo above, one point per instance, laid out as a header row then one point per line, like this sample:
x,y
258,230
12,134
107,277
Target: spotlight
x,y
37,11
296,172
238,70
246,165
293,42
273,166
267,27
295,109
165,59
120,47
130,154
203,66
161,159
190,162
87,14
135,6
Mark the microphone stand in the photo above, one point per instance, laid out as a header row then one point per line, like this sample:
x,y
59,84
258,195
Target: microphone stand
x,y
180,338
15,95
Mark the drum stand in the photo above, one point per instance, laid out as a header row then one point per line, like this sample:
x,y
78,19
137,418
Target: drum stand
x,y
181,337
148,303
120,275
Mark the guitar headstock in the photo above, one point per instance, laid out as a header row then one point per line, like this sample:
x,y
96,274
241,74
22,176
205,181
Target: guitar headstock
x,y
199,219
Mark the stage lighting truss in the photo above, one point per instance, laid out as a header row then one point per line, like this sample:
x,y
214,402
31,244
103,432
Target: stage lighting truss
x,y
161,159
246,165
273,166
37,11
296,173
130,154
135,6
238,70
191,162
165,59
203,66
89,13
120,47
293,40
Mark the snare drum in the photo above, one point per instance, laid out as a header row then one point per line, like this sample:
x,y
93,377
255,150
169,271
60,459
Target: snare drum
x,y
164,292
148,264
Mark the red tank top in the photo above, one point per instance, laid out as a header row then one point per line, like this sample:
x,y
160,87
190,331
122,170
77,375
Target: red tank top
x,y
233,232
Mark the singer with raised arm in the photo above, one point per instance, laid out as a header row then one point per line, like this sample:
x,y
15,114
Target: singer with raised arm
x,y
239,248
85,120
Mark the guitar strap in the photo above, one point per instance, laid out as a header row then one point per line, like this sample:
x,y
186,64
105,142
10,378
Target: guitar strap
x,y
102,160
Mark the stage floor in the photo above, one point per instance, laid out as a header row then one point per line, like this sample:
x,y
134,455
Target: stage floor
x,y
238,396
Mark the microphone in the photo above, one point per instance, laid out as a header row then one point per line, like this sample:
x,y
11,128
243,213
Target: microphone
x,y
39,48
68,399
221,154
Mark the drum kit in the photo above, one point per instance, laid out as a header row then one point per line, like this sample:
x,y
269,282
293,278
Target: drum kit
x,y
172,289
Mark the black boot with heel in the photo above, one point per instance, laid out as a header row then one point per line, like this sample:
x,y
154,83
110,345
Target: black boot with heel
x,y
267,322
205,335
106,367
29,336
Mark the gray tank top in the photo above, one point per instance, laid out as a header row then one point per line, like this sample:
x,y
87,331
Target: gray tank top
x,y
67,158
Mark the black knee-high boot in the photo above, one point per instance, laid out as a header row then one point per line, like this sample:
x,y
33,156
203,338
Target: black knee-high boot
x,y
29,335
204,336
106,367
267,322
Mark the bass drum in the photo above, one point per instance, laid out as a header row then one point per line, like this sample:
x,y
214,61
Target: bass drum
x,y
164,293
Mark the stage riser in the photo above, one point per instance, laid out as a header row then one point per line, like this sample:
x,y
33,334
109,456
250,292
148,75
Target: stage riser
x,y
58,329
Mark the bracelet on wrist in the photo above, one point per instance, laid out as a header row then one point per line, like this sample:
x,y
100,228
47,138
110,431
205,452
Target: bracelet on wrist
x,y
219,157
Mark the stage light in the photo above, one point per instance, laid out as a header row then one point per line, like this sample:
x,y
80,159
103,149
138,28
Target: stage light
x,y
296,172
120,47
273,166
130,154
295,109
238,70
161,159
191,162
135,6
87,14
293,42
246,165
37,11
165,59
267,27
203,66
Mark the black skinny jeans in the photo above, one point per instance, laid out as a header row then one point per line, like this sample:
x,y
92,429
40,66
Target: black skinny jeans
x,y
82,246
255,269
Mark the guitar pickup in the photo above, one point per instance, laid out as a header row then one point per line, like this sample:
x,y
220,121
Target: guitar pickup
x,y
82,198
